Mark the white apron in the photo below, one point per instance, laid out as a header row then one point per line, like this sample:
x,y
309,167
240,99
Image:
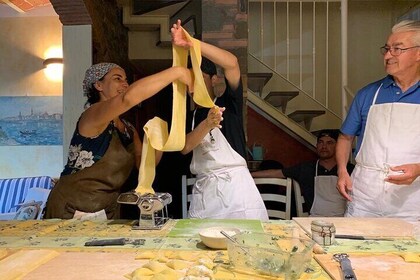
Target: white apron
x,y
392,137
224,187
328,202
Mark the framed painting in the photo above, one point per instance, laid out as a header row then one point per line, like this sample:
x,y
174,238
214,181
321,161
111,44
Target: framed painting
x,y
31,120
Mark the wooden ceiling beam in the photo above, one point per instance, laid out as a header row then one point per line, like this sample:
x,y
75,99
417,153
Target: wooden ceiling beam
x,y
13,6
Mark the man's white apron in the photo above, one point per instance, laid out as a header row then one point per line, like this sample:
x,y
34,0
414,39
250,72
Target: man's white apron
x,y
328,202
224,186
392,137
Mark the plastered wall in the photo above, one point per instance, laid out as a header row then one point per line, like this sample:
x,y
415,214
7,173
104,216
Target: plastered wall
x,y
22,45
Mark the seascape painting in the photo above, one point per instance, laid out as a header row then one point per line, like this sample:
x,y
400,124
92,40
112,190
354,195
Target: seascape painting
x,y
31,120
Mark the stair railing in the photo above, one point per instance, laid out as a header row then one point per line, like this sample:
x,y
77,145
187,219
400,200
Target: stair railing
x,y
290,83
285,36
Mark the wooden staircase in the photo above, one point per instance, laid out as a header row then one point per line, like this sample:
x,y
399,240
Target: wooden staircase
x,y
140,7
257,81
152,16
305,116
280,99
155,16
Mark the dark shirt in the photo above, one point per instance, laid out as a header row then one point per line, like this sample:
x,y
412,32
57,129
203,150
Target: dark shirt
x,y
86,151
232,124
304,174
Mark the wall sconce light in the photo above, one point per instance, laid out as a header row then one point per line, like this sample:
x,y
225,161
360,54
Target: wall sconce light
x,y
50,61
53,68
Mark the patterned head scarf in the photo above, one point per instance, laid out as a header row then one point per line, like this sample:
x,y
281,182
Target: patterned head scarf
x,y
95,73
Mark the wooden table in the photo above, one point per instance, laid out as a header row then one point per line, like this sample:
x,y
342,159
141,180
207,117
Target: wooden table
x,y
54,249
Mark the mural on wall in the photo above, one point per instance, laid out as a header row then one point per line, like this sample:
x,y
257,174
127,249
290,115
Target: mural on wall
x,y
31,120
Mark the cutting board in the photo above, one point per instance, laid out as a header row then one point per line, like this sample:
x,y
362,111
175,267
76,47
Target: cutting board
x,y
19,263
374,228
87,265
372,267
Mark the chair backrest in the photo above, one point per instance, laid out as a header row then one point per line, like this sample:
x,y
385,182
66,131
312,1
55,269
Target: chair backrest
x,y
13,191
17,191
187,184
276,199
299,199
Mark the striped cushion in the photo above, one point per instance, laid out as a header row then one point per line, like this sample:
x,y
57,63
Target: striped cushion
x,y
13,191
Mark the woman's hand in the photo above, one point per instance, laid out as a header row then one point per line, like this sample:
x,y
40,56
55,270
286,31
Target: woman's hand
x,y
194,138
178,36
214,117
187,77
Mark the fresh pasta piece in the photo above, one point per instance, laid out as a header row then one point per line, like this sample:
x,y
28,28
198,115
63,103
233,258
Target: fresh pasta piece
x,y
167,274
162,259
142,271
411,257
146,255
178,264
189,277
142,277
206,262
155,267
200,271
189,256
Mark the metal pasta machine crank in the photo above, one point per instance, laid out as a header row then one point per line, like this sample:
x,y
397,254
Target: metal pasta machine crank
x,y
153,208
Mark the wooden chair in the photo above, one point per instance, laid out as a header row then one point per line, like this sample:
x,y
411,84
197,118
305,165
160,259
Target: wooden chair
x,y
187,184
274,201
300,200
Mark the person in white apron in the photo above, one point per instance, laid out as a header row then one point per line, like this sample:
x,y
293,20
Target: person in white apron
x,y
327,200
317,179
224,187
385,180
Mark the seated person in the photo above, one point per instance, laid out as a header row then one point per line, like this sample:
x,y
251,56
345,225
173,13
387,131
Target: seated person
x,y
320,175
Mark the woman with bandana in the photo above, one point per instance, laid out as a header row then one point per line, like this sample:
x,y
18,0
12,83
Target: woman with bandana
x,y
104,148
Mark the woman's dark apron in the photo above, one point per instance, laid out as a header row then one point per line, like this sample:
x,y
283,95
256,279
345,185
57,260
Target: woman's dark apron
x,y
93,188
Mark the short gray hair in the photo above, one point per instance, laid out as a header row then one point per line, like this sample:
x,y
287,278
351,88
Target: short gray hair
x,y
409,26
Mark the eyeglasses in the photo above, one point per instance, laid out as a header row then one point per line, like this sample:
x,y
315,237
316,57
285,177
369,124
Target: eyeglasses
x,y
395,51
